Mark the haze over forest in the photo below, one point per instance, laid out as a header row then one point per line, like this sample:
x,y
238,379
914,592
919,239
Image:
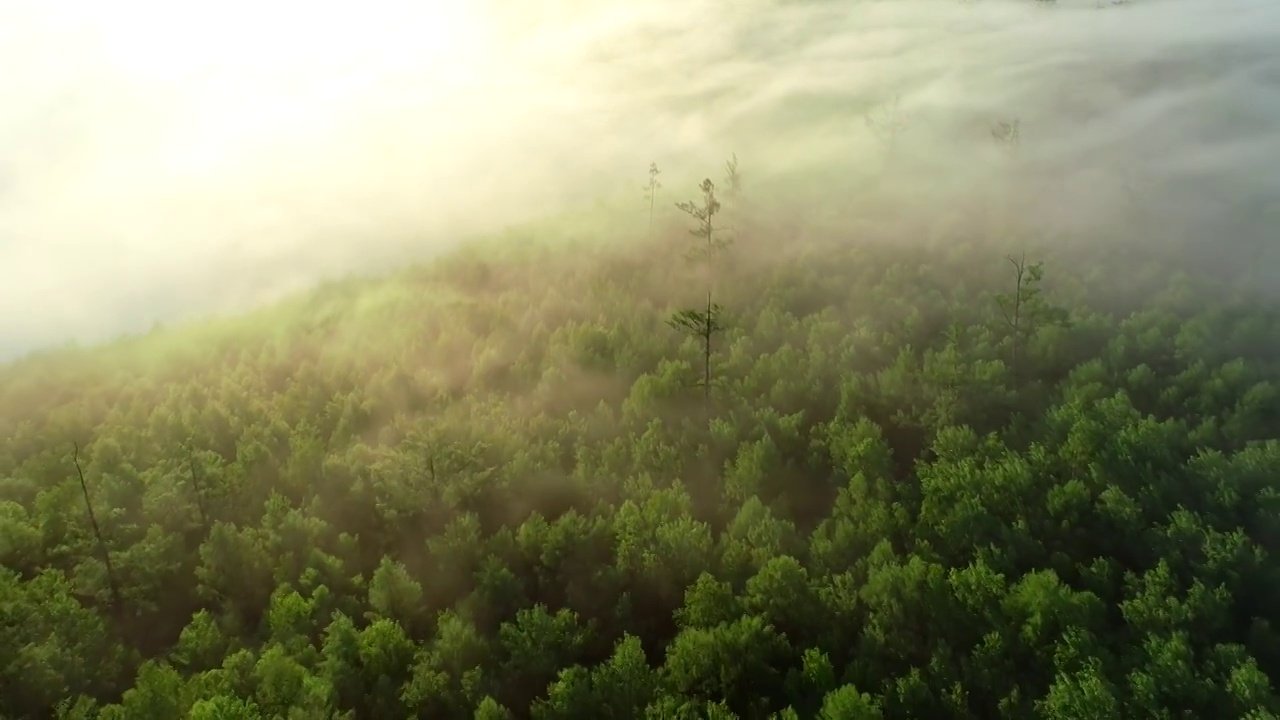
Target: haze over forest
x,y
661,360
161,160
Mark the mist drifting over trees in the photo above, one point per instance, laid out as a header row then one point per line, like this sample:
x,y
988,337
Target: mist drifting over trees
x,y
568,359
149,172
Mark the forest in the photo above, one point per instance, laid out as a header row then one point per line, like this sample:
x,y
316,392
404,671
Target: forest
x,y
703,463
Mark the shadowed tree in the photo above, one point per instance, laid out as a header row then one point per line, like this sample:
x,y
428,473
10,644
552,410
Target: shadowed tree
x,y
1008,134
733,193
651,191
732,179
886,123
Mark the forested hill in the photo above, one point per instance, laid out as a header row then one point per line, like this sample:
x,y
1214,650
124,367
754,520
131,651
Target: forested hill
x,y
929,480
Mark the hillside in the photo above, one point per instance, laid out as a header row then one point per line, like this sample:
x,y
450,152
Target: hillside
x,y
491,486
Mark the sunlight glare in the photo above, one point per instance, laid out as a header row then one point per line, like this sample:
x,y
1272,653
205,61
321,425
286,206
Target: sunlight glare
x,y
239,77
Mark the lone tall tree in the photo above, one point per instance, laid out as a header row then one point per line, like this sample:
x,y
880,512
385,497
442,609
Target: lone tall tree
x,y
733,194
651,191
1025,308
1011,304
886,123
1008,134
97,531
704,325
732,180
704,213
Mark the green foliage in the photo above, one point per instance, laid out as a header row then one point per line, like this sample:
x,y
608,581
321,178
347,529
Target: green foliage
x,y
704,215
475,489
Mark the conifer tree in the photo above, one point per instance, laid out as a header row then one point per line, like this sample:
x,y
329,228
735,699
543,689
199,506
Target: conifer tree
x,y
733,196
651,191
706,230
704,323
1025,309
886,123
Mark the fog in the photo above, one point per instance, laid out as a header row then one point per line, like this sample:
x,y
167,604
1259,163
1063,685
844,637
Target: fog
x,y
162,160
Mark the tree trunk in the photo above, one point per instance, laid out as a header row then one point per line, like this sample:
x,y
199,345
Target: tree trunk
x,y
97,533
706,359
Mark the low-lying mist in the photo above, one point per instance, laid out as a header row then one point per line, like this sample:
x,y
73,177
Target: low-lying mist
x,y
158,161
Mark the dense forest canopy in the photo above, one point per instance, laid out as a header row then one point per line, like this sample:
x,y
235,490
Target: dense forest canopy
x,y
939,477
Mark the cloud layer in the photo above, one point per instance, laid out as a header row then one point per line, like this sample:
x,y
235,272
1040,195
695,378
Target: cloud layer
x,y
157,160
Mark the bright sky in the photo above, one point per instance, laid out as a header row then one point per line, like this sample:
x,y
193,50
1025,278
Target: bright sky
x,y
196,79
122,123
160,159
